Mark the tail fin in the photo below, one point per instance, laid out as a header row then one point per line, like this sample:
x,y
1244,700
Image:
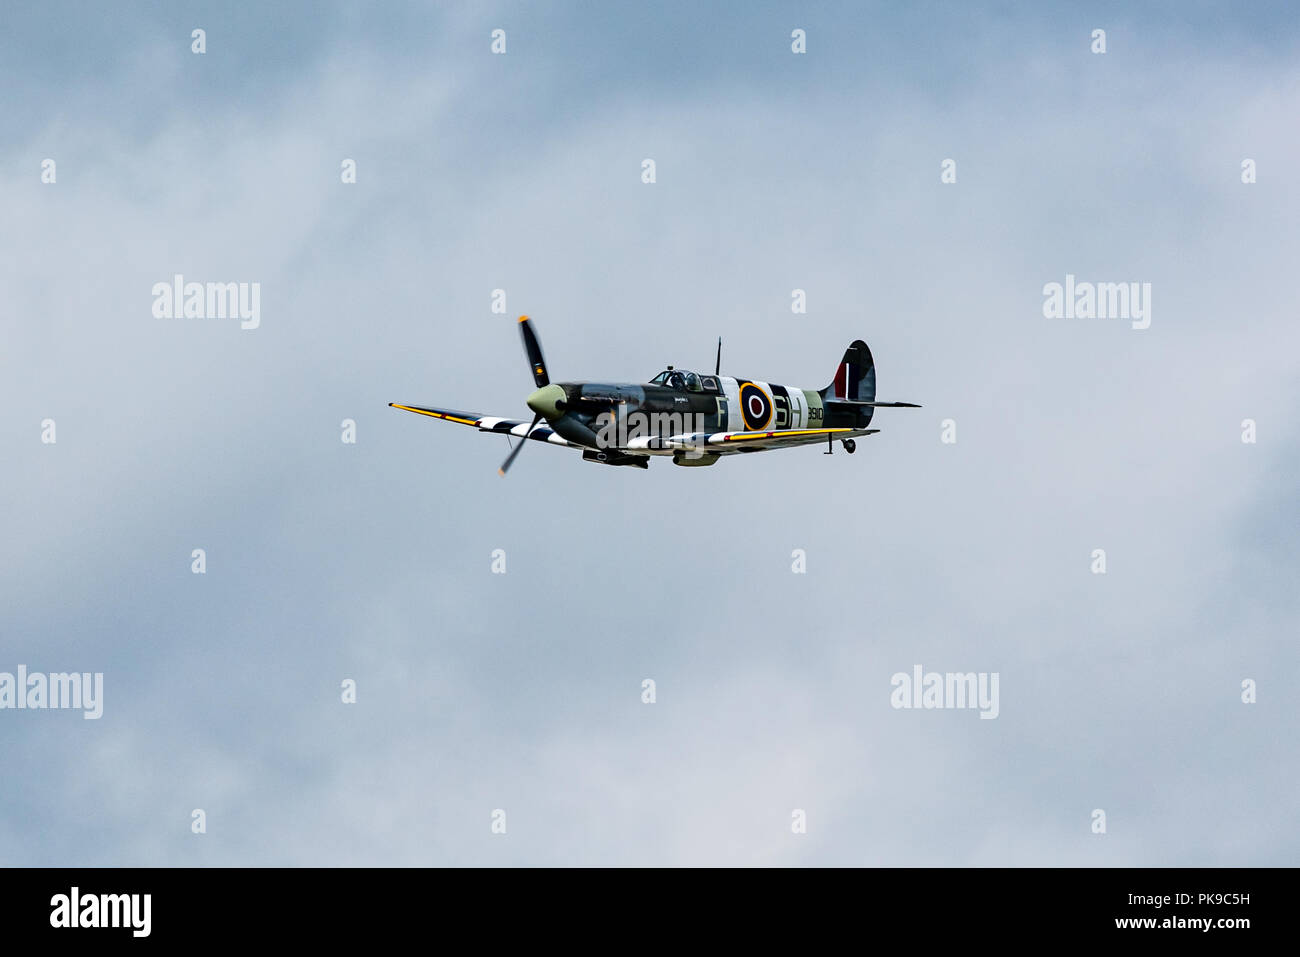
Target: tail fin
x,y
855,379
850,399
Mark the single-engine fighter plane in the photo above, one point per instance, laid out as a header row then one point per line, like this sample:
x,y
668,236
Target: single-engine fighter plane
x,y
692,417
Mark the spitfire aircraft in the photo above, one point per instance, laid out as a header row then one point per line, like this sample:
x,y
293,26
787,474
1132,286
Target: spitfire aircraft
x,y
694,418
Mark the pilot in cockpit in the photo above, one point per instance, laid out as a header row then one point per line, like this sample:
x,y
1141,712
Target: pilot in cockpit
x,y
683,381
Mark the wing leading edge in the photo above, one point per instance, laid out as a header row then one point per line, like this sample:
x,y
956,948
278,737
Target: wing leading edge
x,y
490,423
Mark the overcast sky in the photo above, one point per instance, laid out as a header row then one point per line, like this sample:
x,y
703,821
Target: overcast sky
x,y
523,691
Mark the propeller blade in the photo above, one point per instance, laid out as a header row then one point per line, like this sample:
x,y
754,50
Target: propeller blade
x,y
520,447
534,350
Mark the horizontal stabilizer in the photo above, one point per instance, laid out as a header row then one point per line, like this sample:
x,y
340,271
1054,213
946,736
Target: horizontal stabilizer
x,y
875,405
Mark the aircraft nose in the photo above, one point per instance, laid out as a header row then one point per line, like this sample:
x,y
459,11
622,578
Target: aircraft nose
x,y
546,401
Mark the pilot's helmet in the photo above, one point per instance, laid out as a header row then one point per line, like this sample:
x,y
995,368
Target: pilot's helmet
x,y
676,380
692,382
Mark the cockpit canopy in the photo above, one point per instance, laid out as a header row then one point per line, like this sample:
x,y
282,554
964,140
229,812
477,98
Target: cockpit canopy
x,y
679,379
683,380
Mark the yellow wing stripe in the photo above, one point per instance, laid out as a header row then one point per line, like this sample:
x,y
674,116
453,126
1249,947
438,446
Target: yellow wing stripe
x,y
436,415
750,436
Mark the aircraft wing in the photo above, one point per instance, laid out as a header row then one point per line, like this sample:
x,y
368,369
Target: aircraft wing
x,y
490,423
729,443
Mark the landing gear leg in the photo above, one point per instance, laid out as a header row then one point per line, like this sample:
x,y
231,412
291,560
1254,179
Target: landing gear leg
x,y
830,446
850,446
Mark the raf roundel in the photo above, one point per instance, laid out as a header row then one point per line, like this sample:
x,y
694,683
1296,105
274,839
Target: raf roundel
x,y
755,406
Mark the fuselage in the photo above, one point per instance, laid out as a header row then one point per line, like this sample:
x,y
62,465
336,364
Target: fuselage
x,y
697,419
603,414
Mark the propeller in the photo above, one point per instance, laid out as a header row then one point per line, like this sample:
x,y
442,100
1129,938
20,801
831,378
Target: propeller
x,y
534,350
518,448
546,400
